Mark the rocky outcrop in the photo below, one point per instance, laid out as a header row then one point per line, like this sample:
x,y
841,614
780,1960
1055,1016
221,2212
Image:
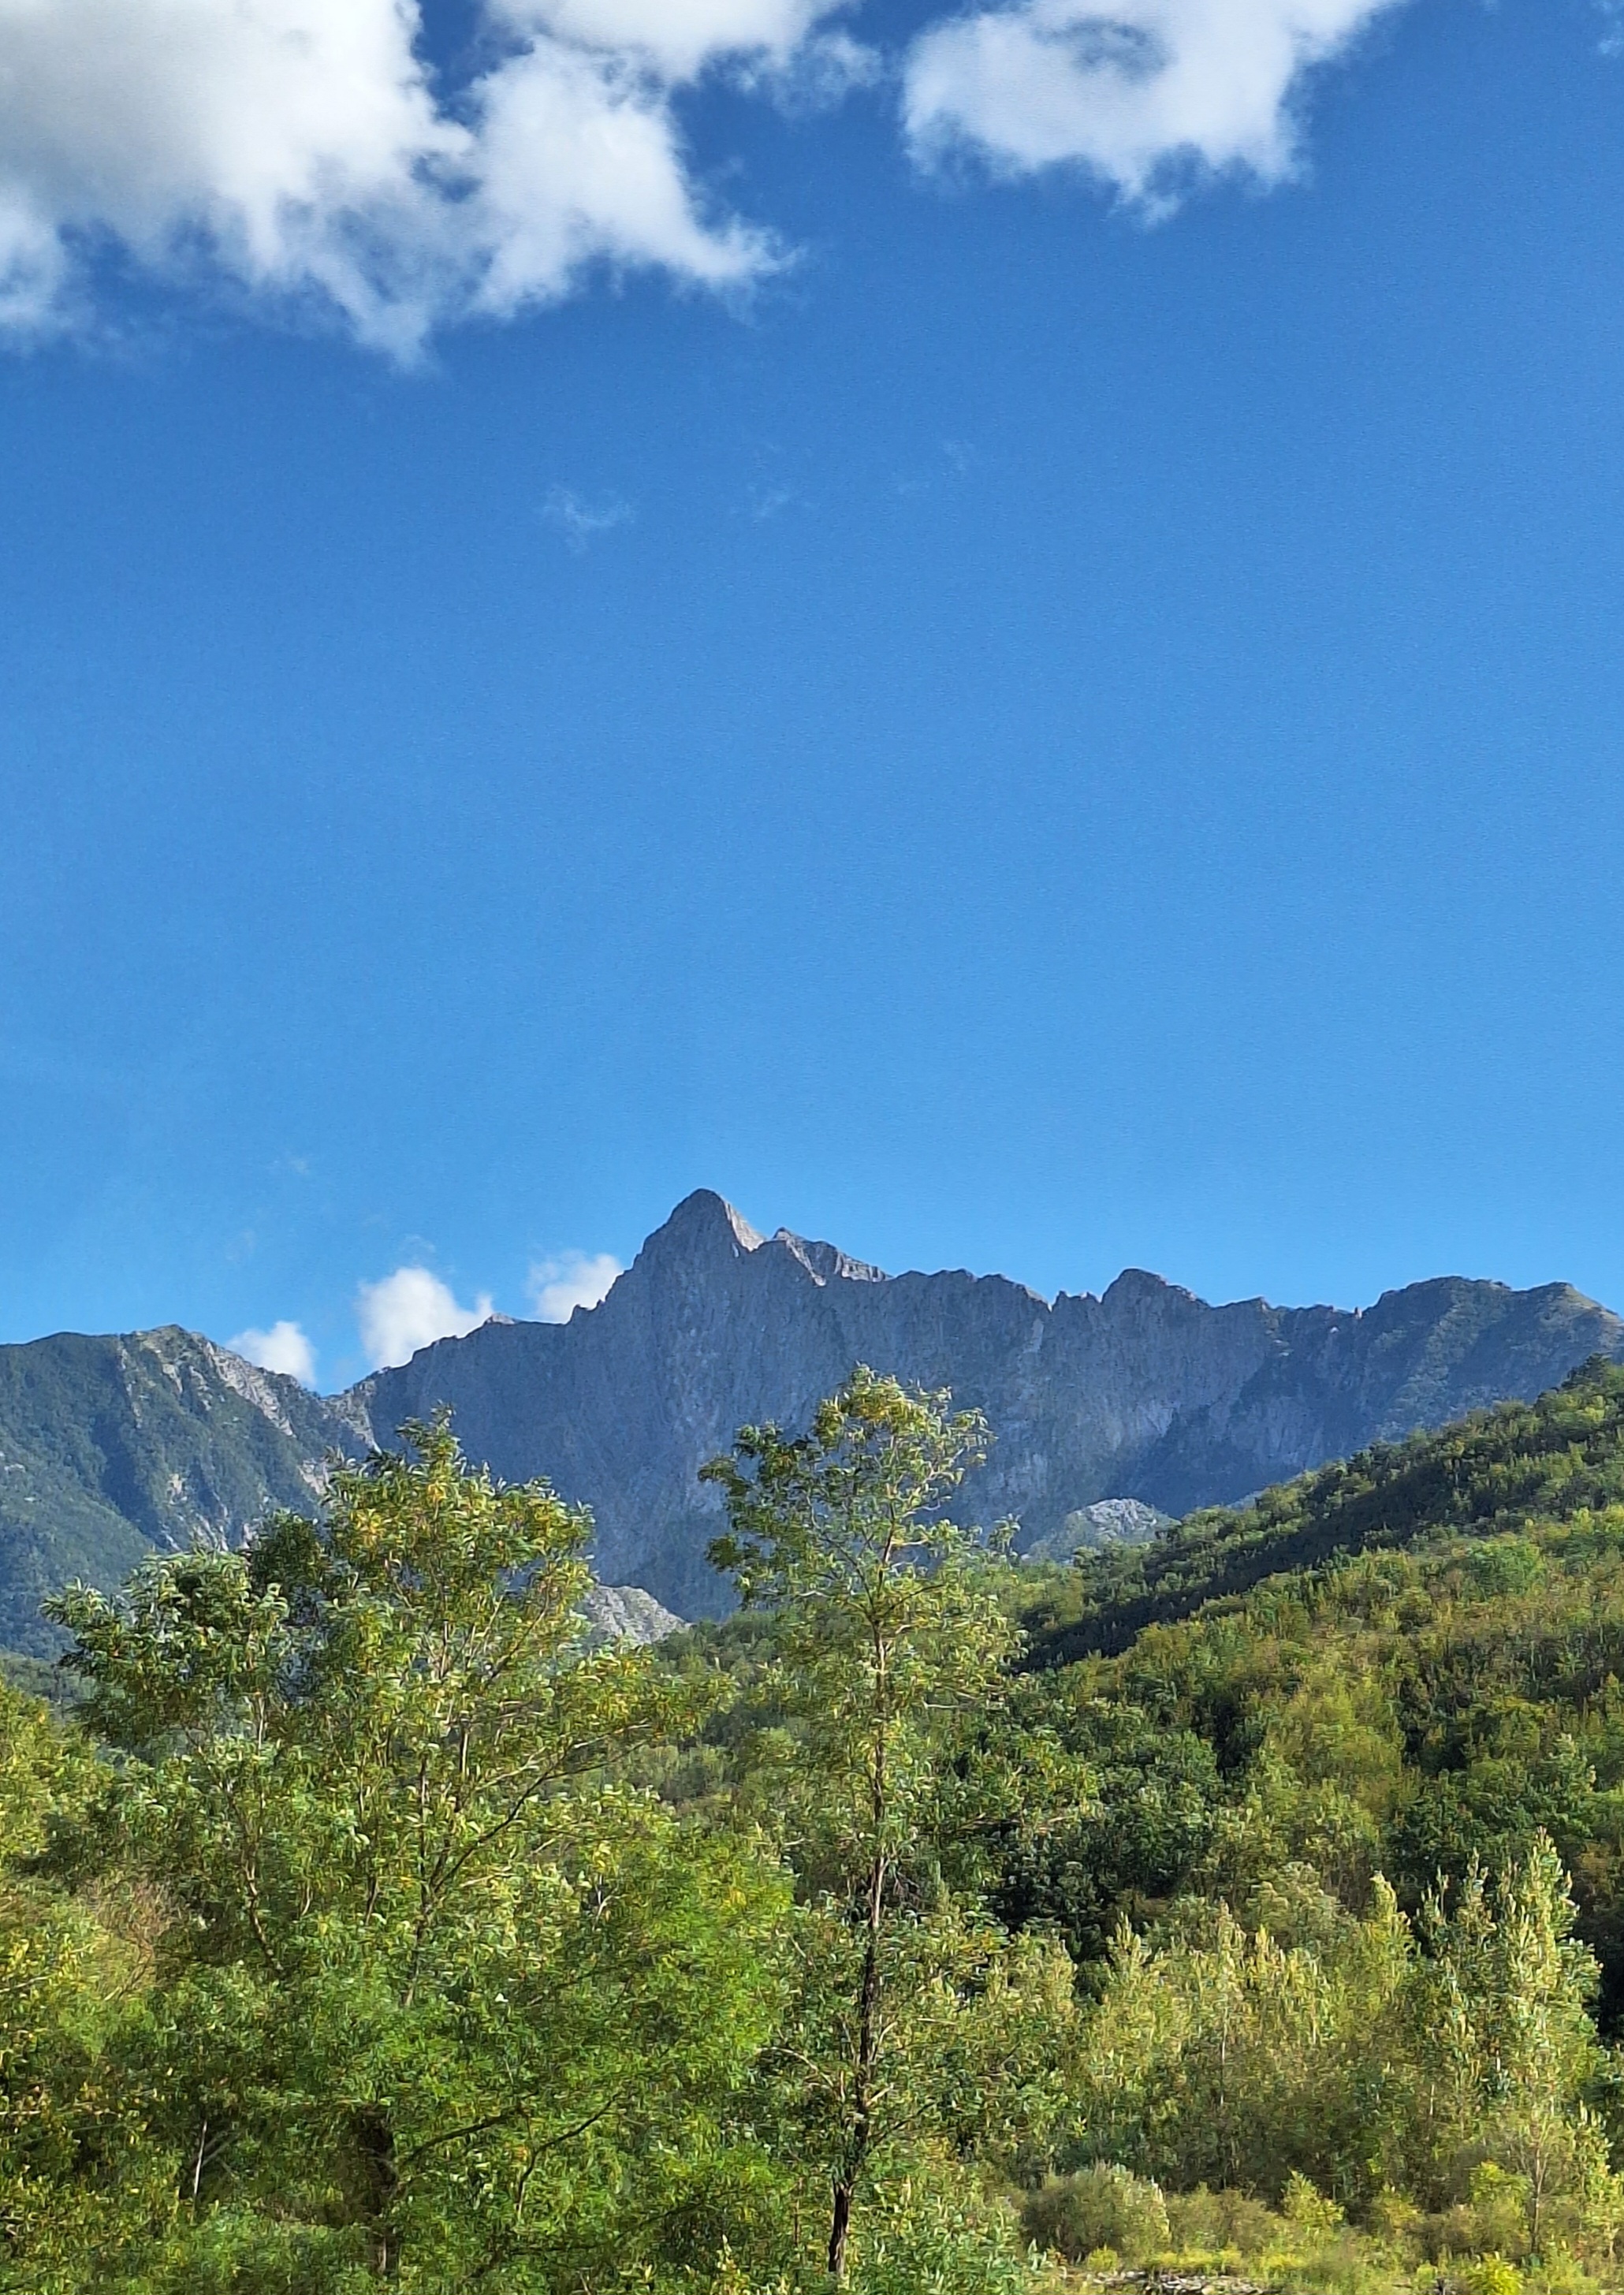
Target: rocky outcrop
x,y
1108,1521
626,1613
108,1446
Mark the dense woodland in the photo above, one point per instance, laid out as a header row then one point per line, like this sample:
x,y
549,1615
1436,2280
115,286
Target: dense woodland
x,y
1252,1904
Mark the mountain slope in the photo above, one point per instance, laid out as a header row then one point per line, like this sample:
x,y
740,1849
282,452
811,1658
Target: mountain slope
x,y
108,1446
1554,1459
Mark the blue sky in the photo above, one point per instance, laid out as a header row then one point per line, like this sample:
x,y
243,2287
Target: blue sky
x,y
1020,672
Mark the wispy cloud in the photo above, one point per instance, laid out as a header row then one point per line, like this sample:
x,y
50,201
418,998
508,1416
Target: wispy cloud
x,y
764,503
409,1309
1143,93
677,39
283,1347
822,72
582,518
575,1279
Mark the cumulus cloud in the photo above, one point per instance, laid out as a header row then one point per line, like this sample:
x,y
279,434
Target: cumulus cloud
x,y
283,1347
302,152
409,1309
299,149
1140,92
576,1278
297,141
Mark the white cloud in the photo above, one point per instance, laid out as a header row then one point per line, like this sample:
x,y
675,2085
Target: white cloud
x,y
576,1278
578,160
298,149
296,140
821,73
409,1309
283,1347
1141,92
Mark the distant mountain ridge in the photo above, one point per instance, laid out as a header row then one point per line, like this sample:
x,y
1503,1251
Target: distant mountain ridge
x,y
108,1446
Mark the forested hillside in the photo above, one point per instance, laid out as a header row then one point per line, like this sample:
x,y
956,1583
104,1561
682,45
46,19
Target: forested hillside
x,y
1432,1674
1248,1903
1556,1458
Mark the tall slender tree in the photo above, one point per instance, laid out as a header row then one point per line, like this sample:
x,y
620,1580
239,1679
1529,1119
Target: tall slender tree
x,y
888,1641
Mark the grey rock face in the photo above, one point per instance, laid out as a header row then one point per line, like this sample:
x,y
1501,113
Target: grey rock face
x,y
1146,1393
110,1446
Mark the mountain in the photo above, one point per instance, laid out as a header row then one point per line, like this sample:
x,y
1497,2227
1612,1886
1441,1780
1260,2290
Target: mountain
x,y
626,1613
110,1445
1146,1393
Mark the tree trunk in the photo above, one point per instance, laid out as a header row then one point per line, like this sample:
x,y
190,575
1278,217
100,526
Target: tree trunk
x,y
375,2154
839,2230
862,2086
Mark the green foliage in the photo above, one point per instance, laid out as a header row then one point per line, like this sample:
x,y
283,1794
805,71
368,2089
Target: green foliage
x,y
1308,2209
1228,2058
1225,2222
361,1921
1453,2065
935,2234
1397,1712
78,2173
1496,1470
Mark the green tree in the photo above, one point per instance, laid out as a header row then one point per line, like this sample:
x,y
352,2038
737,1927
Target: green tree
x,y
1228,2057
1501,2013
442,1999
889,1644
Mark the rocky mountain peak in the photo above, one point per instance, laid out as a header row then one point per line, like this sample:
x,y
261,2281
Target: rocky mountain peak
x,y
703,1225
1140,1285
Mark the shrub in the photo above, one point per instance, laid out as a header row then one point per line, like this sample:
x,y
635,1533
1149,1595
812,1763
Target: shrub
x,y
1491,2275
1393,2217
1097,2207
936,2232
1209,2222
1492,2222
1308,2210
